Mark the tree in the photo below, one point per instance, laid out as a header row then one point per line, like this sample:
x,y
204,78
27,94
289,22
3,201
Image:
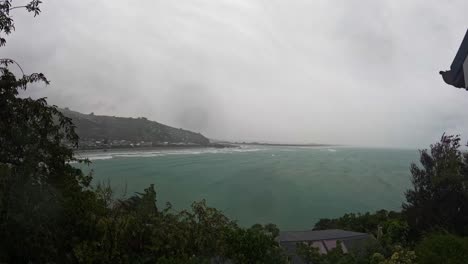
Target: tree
x,y
134,230
367,222
50,213
6,21
442,248
399,256
308,253
439,197
42,195
256,244
311,255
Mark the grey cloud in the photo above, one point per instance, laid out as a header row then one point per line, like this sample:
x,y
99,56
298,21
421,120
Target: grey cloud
x,y
350,72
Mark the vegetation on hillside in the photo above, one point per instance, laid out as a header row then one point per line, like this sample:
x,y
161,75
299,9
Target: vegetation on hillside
x,y
91,128
50,213
439,199
433,226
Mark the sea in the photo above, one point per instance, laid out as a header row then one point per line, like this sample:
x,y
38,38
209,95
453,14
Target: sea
x,y
292,187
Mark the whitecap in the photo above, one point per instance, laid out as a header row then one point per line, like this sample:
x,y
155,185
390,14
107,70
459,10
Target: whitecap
x,y
139,155
161,153
99,157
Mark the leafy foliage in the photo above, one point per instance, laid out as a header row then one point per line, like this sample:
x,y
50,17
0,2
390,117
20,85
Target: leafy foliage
x,y
442,248
6,21
439,198
49,212
437,201
387,226
41,194
312,255
399,256
135,230
50,202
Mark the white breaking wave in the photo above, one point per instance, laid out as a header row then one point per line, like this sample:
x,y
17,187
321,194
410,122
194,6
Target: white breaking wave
x,y
99,157
142,155
162,153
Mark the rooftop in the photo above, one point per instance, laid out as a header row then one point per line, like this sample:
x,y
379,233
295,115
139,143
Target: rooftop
x,y
315,235
324,240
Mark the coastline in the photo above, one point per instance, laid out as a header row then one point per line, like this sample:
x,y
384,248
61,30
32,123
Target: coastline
x,y
182,147
287,145
154,148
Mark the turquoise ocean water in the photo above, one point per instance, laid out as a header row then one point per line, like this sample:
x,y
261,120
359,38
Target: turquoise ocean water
x,y
292,187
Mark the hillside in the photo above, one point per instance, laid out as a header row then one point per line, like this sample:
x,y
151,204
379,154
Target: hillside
x,y
109,131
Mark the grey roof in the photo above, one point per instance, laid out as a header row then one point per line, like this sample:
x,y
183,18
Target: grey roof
x,y
455,76
314,235
327,238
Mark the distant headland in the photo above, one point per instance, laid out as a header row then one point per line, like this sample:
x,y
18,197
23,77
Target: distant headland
x,y
111,132
100,132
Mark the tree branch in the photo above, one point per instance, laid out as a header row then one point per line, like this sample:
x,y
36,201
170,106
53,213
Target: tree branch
x,y
16,7
6,61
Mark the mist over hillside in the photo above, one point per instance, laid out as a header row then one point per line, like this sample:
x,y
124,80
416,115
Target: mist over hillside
x,y
120,131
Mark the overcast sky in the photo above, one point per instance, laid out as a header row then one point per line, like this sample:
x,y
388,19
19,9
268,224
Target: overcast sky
x,y
326,71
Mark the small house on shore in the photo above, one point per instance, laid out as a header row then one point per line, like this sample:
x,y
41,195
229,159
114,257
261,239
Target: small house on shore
x,y
324,240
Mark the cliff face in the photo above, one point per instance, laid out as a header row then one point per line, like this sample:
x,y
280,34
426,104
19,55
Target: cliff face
x,y
92,128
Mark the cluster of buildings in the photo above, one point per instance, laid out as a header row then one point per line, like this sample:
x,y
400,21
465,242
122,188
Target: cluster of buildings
x,y
108,144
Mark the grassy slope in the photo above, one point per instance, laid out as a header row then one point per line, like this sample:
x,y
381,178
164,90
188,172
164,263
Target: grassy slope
x,y
95,127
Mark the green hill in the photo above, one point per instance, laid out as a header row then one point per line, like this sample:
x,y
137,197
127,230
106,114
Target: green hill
x,y
110,131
